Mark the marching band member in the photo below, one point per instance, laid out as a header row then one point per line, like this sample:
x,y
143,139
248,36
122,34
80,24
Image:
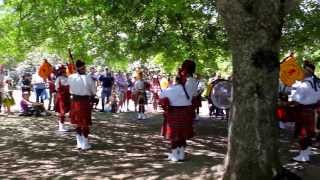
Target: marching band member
x,y
178,110
306,95
82,89
62,104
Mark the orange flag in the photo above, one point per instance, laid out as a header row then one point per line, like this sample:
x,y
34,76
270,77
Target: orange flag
x,y
45,70
290,71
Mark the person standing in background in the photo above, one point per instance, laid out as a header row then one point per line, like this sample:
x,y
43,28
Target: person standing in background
x,y
122,86
107,82
26,83
129,90
2,75
52,91
155,90
39,87
139,91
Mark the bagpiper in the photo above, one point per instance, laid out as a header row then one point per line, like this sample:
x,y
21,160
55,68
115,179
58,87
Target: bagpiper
x,y
82,89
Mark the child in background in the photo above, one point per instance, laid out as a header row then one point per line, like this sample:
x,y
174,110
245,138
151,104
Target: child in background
x,y
8,99
29,108
114,102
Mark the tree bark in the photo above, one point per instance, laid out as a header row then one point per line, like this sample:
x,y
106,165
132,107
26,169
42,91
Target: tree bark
x,y
254,31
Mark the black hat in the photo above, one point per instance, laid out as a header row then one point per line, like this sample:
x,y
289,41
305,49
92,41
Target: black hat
x,y
309,65
189,66
79,63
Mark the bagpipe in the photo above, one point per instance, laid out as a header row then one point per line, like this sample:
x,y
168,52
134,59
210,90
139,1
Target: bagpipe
x,y
290,72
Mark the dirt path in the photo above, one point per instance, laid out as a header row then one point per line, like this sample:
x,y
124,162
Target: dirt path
x,y
124,148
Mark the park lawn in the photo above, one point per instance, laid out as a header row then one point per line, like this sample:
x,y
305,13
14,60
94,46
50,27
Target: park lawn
x,y
123,148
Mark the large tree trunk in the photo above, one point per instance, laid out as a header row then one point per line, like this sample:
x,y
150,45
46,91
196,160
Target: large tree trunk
x,y
254,29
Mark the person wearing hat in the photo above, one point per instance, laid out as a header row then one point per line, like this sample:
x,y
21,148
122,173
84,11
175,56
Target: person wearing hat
x,y
305,97
62,104
82,89
179,113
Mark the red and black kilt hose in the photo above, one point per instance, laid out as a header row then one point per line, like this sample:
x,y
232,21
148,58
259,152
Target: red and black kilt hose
x,y
305,122
178,123
63,101
80,113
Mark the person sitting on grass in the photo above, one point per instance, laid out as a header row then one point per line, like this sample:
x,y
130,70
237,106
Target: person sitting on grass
x,y
29,108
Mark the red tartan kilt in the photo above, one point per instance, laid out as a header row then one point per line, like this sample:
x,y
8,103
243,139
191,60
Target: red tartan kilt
x,y
63,103
286,114
305,122
80,113
178,123
129,94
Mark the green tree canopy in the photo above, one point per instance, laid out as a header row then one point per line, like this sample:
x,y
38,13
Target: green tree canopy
x,y
166,31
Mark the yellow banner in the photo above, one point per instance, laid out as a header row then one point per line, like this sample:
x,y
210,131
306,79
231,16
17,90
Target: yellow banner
x,y
290,71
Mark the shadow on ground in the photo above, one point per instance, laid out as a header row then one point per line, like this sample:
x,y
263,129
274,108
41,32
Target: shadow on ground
x,y
124,148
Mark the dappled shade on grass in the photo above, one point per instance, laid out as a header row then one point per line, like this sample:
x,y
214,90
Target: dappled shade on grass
x,y
123,148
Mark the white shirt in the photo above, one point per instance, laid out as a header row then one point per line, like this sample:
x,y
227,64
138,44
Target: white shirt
x,y
191,87
139,85
81,85
303,93
61,79
176,95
